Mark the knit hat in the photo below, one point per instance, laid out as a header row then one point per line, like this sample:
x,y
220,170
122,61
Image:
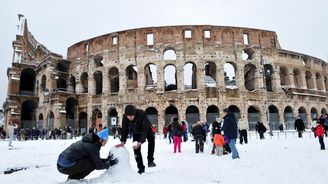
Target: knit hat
x,y
130,110
103,134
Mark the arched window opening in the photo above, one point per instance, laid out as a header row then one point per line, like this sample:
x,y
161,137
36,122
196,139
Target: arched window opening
x,y
192,114
151,76
314,112
289,118
62,67
28,114
303,114
268,72
114,80
318,80
50,120
98,58
170,55
43,83
83,123
72,84
273,117
234,109
297,78
190,76
97,118
132,76
212,113
112,117
27,82
170,78
253,115
247,54
170,113
210,74
229,75
309,80
71,112
84,82
98,78
249,76
284,77
152,115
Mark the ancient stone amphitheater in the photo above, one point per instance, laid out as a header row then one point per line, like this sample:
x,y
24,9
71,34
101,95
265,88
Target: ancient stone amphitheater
x,y
192,71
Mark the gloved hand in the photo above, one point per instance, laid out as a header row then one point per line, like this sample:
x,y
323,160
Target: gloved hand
x,y
113,162
110,156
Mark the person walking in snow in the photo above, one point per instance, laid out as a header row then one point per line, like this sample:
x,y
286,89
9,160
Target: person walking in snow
x,y
261,129
216,129
137,122
230,131
82,157
242,127
320,132
184,131
299,126
11,129
218,141
199,133
314,125
177,134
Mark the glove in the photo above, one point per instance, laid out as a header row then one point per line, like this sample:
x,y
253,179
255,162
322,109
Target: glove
x,y
110,156
113,162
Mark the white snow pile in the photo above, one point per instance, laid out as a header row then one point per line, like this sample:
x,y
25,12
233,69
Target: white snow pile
x,y
118,172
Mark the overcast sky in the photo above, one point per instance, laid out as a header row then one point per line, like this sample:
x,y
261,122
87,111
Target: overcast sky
x,y
301,25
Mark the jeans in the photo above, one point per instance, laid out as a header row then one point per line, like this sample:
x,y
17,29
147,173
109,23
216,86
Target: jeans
x,y
11,137
151,148
232,145
199,143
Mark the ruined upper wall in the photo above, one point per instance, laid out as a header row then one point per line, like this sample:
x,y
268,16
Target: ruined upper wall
x,y
169,36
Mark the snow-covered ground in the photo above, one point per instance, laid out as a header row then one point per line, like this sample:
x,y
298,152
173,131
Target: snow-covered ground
x,y
285,160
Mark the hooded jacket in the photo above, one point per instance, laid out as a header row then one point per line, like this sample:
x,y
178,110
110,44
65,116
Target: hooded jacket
x,y
88,147
230,126
140,126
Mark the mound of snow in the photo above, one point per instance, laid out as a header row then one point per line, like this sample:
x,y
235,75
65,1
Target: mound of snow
x,y
119,172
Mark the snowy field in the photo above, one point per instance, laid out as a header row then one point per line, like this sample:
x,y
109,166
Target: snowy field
x,y
278,160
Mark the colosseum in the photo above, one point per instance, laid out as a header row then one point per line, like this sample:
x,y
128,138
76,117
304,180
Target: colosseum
x,y
191,71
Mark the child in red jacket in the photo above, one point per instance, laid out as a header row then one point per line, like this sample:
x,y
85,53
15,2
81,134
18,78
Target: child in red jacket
x,y
320,132
218,141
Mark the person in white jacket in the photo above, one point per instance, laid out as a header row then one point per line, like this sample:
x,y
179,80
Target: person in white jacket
x,y
242,127
11,128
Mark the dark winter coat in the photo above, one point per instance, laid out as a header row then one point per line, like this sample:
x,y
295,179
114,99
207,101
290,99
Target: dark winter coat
x,y
140,126
216,128
198,131
88,147
299,125
260,127
230,126
176,128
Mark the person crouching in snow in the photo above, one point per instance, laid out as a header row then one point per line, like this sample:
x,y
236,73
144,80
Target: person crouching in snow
x,y
218,141
83,157
320,132
177,134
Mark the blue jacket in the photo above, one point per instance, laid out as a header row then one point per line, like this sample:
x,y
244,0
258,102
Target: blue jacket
x,y
230,126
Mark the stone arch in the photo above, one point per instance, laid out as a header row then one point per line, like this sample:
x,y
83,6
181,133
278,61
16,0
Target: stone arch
x,y
212,113
170,112
83,123
96,118
150,71
314,112
230,73
326,83
274,117
253,116
152,115
40,121
43,84
84,82
170,54
61,83
192,114
114,80
319,83
190,75
170,83
131,73
98,59
309,80
323,111
297,78
284,76
71,112
27,82
289,118
28,113
249,77
72,84
210,74
303,114
50,120
62,67
98,81
112,117
269,82
235,110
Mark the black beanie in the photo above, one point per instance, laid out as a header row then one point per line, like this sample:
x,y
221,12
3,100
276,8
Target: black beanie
x,y
130,110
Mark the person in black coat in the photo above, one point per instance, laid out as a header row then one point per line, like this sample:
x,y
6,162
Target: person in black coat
x,y
136,121
199,134
82,157
230,131
261,129
299,126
